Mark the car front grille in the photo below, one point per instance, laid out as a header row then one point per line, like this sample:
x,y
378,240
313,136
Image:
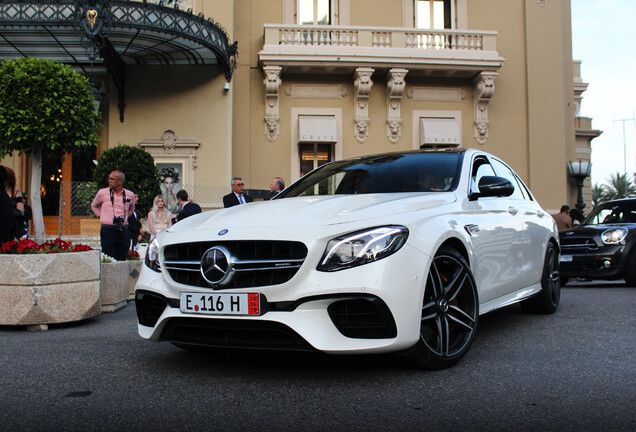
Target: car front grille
x,y
255,263
578,244
233,333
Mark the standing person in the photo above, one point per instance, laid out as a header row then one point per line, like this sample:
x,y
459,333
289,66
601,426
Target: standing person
x,y
113,205
188,208
237,196
159,218
275,187
577,216
563,219
134,225
18,203
7,218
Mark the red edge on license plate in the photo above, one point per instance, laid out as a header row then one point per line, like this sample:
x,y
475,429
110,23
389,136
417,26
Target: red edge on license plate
x,y
220,303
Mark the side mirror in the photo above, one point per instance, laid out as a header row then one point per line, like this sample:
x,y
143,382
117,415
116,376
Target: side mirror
x,y
491,186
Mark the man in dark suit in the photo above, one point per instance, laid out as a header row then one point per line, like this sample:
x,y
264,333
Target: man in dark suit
x,y
134,226
275,187
187,208
237,196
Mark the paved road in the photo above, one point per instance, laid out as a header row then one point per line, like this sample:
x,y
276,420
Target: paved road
x,y
575,370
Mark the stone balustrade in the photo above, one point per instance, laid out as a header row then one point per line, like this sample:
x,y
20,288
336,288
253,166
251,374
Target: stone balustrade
x,y
406,38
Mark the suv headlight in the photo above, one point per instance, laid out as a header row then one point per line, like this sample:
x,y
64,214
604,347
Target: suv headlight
x,y
362,247
152,256
614,235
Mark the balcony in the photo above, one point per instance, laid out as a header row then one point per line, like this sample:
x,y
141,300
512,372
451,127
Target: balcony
x,y
342,49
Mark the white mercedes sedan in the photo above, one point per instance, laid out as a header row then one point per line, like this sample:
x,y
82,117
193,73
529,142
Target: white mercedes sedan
x,y
397,252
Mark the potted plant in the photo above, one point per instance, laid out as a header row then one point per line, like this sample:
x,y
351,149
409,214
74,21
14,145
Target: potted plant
x,y
47,283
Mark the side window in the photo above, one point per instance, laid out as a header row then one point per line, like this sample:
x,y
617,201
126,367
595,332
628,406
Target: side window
x,y
503,171
524,188
481,167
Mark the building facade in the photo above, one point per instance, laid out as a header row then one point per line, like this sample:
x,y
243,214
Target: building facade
x,y
313,81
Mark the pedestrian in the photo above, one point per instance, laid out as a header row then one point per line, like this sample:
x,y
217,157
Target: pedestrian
x,y
188,207
134,225
7,217
563,219
275,187
159,218
577,216
22,228
237,196
113,205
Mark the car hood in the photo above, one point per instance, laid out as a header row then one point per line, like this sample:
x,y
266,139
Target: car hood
x,y
314,211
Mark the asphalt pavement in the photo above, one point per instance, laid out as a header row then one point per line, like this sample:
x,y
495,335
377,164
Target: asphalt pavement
x,y
571,371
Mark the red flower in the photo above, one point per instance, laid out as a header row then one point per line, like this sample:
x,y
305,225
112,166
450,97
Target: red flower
x,y
26,246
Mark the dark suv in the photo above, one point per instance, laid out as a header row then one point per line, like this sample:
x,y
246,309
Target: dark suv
x,y
604,246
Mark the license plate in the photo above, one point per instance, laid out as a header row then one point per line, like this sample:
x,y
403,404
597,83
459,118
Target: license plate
x,y
220,303
566,258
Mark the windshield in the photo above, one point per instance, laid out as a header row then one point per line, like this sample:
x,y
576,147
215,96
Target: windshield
x,y
613,212
392,173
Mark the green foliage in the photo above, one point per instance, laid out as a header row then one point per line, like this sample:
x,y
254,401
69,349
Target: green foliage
x,y
598,195
620,186
45,104
139,168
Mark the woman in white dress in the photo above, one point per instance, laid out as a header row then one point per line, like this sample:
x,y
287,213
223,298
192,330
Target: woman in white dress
x,y
159,218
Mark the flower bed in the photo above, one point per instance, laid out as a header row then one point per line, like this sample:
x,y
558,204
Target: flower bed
x,y
52,282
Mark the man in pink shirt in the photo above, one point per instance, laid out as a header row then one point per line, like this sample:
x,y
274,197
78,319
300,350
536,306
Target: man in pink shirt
x,y
113,205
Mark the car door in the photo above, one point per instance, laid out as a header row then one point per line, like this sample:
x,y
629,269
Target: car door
x,y
496,231
536,225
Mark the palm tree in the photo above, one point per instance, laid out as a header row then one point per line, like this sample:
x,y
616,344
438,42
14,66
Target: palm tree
x,y
598,195
620,186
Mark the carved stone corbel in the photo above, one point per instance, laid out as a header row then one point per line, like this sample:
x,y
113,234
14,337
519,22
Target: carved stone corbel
x,y
362,88
272,83
394,90
484,89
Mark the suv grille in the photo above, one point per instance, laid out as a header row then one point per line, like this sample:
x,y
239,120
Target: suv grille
x,y
582,244
255,263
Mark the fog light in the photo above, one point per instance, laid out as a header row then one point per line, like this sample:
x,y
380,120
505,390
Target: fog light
x,y
607,264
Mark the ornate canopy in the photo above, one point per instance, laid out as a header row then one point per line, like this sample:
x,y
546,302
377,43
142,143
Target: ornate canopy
x,y
104,36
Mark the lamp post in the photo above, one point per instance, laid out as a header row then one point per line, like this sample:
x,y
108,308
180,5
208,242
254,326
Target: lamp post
x,y
579,170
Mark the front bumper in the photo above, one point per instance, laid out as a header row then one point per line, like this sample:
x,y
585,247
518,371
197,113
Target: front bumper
x,y
602,264
371,308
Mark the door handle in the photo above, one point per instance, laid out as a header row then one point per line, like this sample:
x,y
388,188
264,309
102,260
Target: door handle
x,y
540,214
513,211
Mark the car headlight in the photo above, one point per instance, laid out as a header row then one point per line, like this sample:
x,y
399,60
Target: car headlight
x,y
152,256
614,235
362,247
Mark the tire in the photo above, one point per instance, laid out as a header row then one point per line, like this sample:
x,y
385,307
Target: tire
x,y
449,312
547,300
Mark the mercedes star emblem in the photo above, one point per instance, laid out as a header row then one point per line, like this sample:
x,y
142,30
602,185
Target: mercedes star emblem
x,y
216,265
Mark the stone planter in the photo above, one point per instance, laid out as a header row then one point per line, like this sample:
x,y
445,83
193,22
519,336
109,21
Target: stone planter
x,y
114,286
41,289
134,267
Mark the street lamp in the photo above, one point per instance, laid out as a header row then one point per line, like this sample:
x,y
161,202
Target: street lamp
x,y
579,170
